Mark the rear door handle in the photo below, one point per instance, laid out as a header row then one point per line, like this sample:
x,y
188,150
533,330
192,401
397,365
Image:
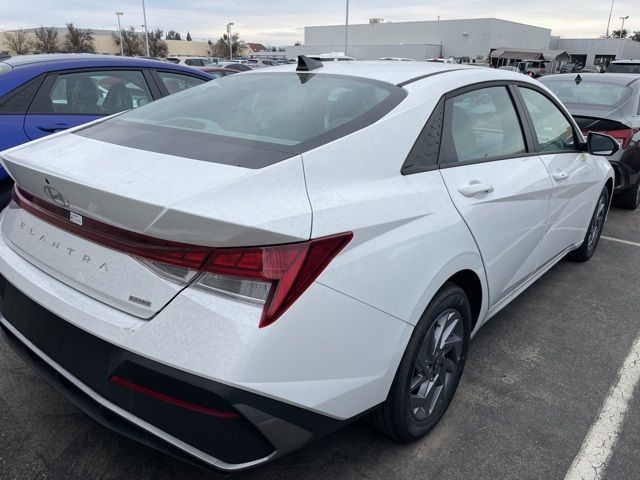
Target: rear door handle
x,y
560,175
475,188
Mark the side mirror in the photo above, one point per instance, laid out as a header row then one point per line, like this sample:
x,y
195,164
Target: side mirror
x,y
601,145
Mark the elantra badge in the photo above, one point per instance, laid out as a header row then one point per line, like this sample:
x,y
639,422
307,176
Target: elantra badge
x,y
56,196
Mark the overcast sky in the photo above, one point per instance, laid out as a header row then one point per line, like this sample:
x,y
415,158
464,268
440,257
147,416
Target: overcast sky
x,y
281,22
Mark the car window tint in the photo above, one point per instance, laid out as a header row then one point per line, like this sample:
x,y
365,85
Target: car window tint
x,y
284,112
552,129
18,100
96,93
194,62
483,125
176,82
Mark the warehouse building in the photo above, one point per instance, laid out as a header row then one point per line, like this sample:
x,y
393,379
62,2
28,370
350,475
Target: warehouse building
x,y
597,51
471,40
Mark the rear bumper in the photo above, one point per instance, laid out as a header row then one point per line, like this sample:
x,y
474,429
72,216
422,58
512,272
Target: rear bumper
x,y
232,430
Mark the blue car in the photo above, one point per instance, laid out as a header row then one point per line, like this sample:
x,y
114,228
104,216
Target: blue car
x,y
43,94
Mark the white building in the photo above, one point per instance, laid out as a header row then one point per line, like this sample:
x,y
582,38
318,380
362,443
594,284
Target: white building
x,y
593,51
473,38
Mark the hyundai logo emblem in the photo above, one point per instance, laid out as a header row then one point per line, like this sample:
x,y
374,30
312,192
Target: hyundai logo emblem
x,y
56,196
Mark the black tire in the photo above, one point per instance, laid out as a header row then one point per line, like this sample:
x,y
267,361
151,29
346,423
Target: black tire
x,y
629,198
396,417
589,244
5,193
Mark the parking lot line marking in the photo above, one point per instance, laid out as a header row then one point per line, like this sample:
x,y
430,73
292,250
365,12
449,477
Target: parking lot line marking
x,y
596,450
619,240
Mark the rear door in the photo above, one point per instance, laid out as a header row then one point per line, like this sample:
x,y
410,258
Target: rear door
x,y
69,99
575,177
499,186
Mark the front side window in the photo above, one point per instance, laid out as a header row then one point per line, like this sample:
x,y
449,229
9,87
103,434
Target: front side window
x,y
552,129
481,125
95,93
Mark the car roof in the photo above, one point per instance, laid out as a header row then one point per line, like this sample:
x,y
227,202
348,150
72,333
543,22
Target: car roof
x,y
616,78
385,71
46,62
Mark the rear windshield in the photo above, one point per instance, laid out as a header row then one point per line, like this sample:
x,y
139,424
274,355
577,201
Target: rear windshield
x,y
623,68
281,111
590,92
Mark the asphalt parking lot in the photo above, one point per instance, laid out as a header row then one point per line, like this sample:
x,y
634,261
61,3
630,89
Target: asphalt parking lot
x,y
536,379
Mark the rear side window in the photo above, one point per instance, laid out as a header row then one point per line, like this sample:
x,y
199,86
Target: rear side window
x,y
481,125
93,93
18,100
552,129
177,82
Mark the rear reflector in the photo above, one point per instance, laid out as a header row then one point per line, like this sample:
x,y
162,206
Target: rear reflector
x,y
272,277
117,380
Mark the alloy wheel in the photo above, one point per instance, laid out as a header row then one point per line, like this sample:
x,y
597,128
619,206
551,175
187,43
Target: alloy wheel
x,y
597,222
436,364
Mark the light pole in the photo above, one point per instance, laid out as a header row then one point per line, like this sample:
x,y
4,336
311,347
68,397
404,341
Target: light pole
x,y
120,33
346,31
229,40
146,32
609,21
620,46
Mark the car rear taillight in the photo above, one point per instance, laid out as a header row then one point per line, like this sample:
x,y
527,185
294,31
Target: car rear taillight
x,y
272,276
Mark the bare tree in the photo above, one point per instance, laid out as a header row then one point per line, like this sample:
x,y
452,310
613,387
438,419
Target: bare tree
x,y
77,40
157,46
132,43
221,47
47,40
18,42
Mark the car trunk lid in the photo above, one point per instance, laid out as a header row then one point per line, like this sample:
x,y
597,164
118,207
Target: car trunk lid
x,y
73,185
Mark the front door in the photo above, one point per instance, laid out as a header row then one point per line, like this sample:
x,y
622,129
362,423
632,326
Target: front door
x,y
575,175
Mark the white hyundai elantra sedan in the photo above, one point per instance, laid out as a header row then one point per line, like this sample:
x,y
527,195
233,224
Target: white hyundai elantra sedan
x,y
230,272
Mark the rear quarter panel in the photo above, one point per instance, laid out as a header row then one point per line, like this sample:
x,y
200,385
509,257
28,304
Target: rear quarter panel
x,y
408,237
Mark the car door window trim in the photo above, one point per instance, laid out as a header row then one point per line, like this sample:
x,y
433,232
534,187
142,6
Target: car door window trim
x,y
532,147
448,147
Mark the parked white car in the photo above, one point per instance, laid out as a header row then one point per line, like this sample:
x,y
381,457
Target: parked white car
x,y
261,63
235,281
195,62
